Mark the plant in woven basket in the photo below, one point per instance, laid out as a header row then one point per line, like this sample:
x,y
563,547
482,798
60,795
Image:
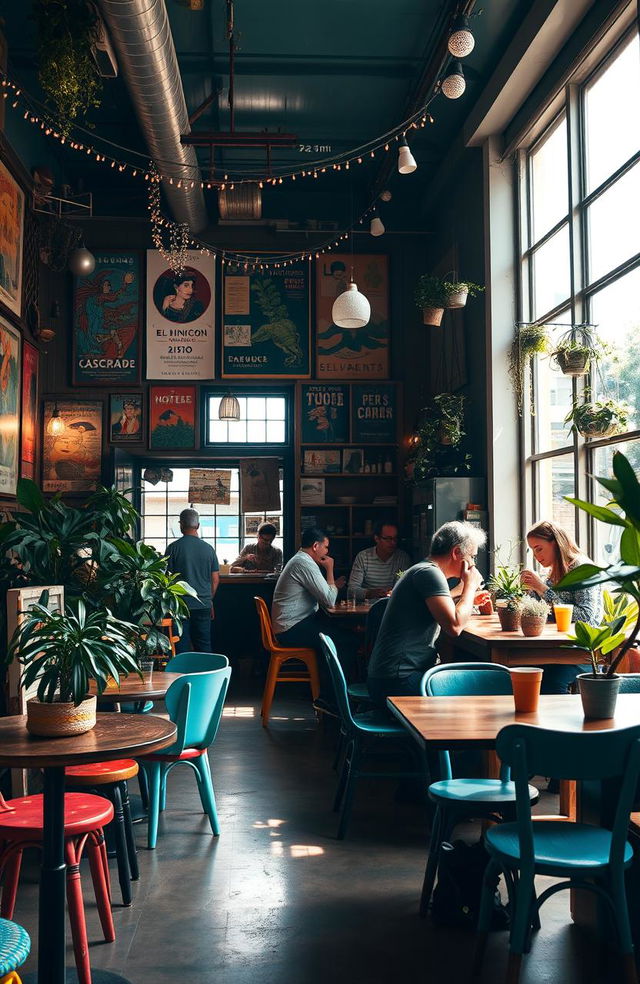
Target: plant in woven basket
x,y
598,418
528,340
578,349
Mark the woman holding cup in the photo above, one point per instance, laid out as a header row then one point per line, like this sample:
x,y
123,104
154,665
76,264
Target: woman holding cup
x,y
554,549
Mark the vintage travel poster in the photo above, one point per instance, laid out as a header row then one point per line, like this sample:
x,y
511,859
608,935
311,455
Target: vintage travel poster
x,y
172,417
71,461
374,411
352,353
325,413
107,315
11,241
9,406
266,323
180,318
126,424
28,433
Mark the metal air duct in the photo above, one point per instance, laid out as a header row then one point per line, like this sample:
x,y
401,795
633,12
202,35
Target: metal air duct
x,y
141,36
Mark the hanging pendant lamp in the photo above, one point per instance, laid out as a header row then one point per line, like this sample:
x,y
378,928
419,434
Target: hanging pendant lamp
x,y
229,408
351,309
55,424
454,84
461,41
406,160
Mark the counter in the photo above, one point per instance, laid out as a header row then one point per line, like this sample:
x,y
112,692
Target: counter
x,y
236,630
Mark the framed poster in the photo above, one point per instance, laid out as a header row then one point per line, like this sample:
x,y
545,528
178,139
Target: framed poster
x,y
325,413
172,417
107,321
352,353
311,493
266,323
260,484
126,420
322,462
374,413
11,241
9,407
72,461
210,486
28,430
180,318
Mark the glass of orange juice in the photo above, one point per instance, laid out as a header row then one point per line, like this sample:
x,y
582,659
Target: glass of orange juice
x,y
563,615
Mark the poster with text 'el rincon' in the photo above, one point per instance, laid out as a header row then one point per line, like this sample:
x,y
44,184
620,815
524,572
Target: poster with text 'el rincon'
x,y
180,318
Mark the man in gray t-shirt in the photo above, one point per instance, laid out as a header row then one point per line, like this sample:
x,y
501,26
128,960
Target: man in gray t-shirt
x,y
420,605
197,564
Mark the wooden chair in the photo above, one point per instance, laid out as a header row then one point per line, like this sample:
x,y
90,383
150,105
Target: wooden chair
x,y
278,657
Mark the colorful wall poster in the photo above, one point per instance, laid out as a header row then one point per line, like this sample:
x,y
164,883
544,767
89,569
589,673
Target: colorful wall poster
x,y
126,418
374,413
107,321
72,460
9,407
180,318
11,241
325,413
210,486
352,353
266,323
28,432
172,417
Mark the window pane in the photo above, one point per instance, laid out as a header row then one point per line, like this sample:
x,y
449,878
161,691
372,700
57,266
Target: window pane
x,y
616,312
256,431
607,538
555,479
552,400
614,221
612,116
551,279
275,431
276,408
218,433
549,181
255,413
256,408
237,431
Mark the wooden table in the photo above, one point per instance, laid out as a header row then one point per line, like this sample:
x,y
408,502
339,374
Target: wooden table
x,y
484,640
134,689
114,736
344,611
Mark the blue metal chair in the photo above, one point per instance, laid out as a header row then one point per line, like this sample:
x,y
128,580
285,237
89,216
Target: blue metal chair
x,y
358,728
14,950
464,799
196,663
583,855
195,705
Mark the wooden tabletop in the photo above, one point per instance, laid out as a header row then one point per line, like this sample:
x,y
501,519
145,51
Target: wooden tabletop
x,y
447,722
487,628
114,736
343,611
133,688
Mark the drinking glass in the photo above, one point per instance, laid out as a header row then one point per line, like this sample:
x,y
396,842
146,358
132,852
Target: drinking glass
x,y
352,599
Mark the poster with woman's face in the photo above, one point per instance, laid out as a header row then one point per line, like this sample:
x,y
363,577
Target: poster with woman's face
x,y
125,418
180,318
9,406
30,363
72,460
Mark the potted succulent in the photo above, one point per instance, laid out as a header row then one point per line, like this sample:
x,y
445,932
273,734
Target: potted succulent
x,y
64,651
533,615
600,418
577,349
507,590
434,294
529,340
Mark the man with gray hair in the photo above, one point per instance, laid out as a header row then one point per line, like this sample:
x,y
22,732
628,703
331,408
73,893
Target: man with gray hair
x,y
420,605
196,563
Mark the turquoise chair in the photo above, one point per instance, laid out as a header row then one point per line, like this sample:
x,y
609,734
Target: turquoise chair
x,y
194,703
358,729
196,663
464,799
583,855
14,950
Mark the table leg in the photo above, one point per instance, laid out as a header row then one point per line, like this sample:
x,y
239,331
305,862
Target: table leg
x,y
52,907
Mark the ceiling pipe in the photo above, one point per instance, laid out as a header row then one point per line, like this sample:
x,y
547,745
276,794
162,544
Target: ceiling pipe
x,y
141,36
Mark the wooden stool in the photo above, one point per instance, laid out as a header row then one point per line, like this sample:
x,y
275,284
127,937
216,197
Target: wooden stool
x,y
279,655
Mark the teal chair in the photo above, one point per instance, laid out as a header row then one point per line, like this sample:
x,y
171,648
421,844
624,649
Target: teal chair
x,y
14,950
194,703
464,799
196,662
358,731
582,855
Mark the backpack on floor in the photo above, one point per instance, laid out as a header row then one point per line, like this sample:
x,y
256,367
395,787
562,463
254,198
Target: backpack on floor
x,y
456,897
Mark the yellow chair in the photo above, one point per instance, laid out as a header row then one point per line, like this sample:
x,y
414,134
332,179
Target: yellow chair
x,y
279,655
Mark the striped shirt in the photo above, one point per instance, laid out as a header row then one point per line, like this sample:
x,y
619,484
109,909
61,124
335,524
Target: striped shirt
x,y
369,571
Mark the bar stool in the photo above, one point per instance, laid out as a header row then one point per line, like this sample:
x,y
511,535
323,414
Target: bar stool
x,y
278,656
14,950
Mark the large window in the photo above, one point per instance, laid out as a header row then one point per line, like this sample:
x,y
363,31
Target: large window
x,y
580,264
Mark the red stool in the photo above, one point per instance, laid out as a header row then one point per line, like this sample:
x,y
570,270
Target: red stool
x,y
84,817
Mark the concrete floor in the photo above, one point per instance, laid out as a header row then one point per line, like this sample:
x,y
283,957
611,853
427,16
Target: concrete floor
x,y
276,899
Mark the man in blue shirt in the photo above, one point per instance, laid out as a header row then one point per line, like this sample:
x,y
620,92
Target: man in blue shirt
x,y
196,563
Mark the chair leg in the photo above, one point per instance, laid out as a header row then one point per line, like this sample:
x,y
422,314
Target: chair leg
x,y
349,789
521,918
99,866
344,774
132,853
122,853
10,879
314,678
75,904
163,789
619,899
207,796
484,915
152,770
431,869
269,689
144,788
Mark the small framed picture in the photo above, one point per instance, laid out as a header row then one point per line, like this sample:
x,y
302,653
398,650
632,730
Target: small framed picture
x,y
312,492
126,423
321,462
352,461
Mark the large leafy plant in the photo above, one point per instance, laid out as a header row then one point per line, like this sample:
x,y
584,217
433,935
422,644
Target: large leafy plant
x,y
623,511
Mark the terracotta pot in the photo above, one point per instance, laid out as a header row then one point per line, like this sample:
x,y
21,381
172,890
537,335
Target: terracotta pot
x,y
573,363
598,694
432,316
459,299
509,618
60,719
532,625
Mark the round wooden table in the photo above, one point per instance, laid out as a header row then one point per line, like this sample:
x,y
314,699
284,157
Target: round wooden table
x,y
114,736
132,688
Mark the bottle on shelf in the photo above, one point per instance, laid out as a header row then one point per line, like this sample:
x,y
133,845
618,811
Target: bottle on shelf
x,y
388,465
367,468
380,465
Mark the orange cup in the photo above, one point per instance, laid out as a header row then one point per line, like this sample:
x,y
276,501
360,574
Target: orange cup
x,y
563,614
526,681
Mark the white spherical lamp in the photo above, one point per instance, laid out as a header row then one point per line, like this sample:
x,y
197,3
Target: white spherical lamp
x,y
454,83
82,262
461,41
351,309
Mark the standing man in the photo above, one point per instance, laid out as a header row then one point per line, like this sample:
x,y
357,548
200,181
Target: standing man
x,y
374,570
196,563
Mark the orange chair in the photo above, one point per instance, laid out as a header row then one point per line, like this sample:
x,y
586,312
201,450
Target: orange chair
x,y
279,655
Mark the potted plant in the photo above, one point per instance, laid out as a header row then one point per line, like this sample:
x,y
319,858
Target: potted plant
x,y
456,292
436,445
624,492
577,349
434,294
528,340
507,590
533,615
600,418
63,651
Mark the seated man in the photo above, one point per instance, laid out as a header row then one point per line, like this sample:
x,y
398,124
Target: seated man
x,y
374,570
260,556
420,605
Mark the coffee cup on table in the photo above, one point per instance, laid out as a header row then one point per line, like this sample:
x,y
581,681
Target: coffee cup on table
x,y
526,681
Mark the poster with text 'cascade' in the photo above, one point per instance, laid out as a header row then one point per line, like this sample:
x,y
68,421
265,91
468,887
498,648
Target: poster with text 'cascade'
x,y
180,318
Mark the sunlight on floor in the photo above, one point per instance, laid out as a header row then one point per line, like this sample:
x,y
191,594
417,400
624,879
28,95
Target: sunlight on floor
x,y
239,712
261,824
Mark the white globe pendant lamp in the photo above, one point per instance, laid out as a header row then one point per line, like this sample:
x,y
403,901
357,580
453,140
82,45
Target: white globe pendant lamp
x,y
351,309
454,83
461,41
406,160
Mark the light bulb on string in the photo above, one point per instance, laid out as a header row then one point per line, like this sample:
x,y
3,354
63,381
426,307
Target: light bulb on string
x,y
406,160
55,424
454,83
461,41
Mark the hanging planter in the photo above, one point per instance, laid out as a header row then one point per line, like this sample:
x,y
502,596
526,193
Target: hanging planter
x,y
434,295
432,316
573,362
577,350
598,419
529,340
458,299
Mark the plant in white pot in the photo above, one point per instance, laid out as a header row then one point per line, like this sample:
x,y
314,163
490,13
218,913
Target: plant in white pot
x,y
533,615
63,652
